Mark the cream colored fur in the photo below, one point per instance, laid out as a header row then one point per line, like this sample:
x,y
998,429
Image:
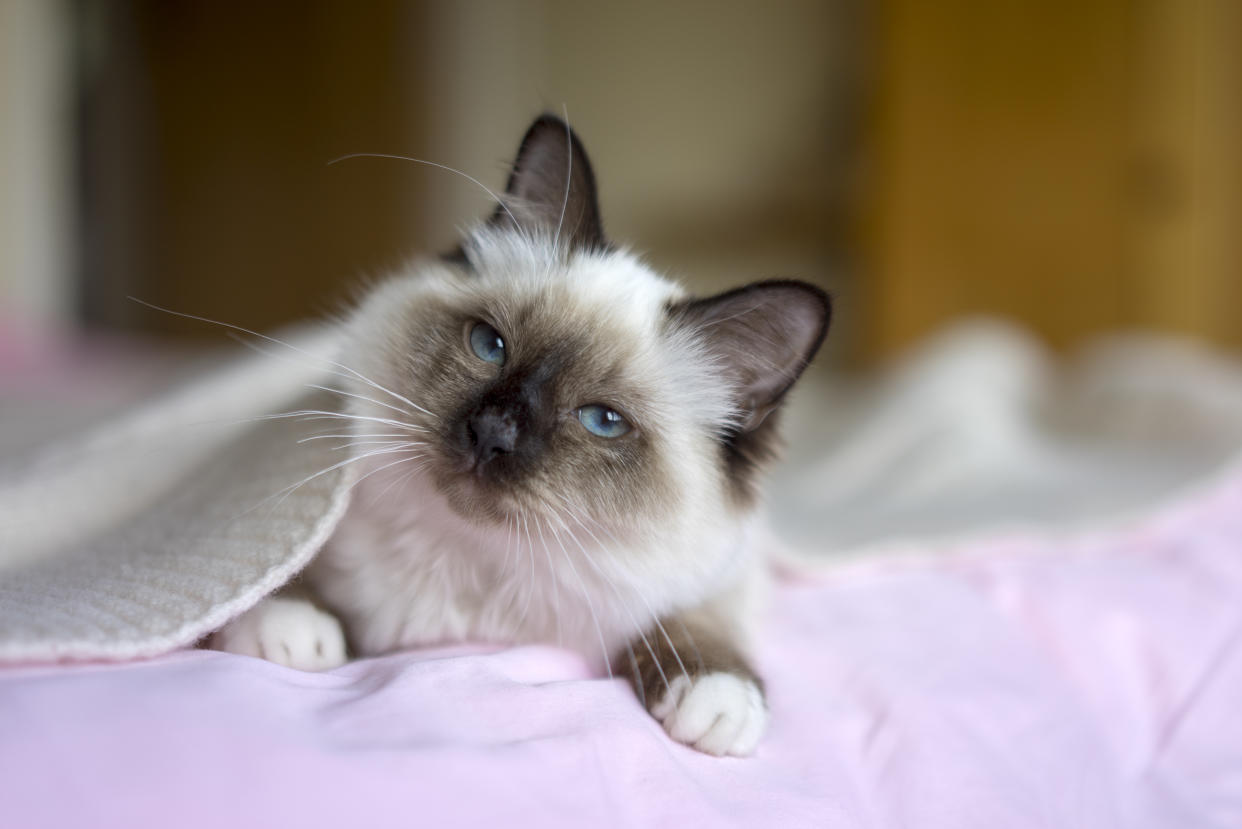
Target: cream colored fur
x,y
404,569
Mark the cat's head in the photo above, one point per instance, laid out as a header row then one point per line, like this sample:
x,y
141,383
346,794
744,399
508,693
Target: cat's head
x,y
557,376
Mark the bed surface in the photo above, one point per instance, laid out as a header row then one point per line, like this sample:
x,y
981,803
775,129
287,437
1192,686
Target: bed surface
x,y
1033,619
1026,681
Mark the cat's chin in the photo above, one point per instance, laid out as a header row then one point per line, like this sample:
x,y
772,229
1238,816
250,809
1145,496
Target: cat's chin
x,y
477,499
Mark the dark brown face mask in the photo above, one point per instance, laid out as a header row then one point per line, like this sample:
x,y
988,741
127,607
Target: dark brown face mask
x,y
503,431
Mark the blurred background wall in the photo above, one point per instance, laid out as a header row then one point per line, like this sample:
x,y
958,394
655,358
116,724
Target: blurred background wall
x,y
38,240
1074,166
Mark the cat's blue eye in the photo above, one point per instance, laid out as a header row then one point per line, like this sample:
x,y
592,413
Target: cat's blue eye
x,y
487,344
603,421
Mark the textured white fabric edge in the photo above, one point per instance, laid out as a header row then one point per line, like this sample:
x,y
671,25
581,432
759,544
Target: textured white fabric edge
x,y
153,530
197,628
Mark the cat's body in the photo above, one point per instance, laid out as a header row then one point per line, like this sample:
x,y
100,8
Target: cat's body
x,y
554,444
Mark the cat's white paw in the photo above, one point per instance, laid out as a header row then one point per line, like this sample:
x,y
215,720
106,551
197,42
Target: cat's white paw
x,y
289,631
717,713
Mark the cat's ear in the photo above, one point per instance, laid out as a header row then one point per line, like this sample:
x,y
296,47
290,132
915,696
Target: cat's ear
x,y
551,188
762,336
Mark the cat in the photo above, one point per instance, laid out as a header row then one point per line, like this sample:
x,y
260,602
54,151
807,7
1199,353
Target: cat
x,y
556,444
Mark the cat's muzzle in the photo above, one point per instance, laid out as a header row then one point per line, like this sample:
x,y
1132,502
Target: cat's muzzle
x,y
492,434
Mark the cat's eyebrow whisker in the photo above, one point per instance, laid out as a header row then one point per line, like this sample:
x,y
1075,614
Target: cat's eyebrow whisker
x,y
445,167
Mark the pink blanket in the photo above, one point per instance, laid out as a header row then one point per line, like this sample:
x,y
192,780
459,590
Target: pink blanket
x,y
1093,681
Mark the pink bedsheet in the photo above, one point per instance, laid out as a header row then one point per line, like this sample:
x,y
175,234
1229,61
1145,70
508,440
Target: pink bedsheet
x,y
1021,681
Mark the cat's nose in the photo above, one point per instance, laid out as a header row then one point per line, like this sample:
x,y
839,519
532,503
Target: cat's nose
x,y
492,433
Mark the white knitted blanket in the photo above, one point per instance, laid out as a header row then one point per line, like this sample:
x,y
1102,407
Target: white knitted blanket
x,y
154,530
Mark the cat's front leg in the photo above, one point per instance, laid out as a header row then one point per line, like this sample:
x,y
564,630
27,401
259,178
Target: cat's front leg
x,y
287,628
696,682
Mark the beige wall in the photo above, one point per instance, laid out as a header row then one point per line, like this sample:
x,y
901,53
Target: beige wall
x,y
709,123
1074,166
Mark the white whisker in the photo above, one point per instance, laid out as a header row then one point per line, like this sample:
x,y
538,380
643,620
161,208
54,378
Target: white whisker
x,y
287,491
289,346
406,459
360,397
650,611
472,179
395,444
586,595
322,414
569,177
366,435
530,586
504,566
402,481
556,590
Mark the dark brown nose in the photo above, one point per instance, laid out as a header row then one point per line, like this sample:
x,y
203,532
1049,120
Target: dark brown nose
x,y
492,433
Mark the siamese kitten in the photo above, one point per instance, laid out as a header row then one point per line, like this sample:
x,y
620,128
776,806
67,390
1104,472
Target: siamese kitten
x,y
556,444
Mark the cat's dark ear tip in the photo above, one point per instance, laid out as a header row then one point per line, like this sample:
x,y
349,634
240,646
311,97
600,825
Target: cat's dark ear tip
x,y
554,185
814,296
548,126
547,120
813,292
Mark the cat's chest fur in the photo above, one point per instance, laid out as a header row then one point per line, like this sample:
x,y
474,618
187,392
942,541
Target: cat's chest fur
x,y
403,570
